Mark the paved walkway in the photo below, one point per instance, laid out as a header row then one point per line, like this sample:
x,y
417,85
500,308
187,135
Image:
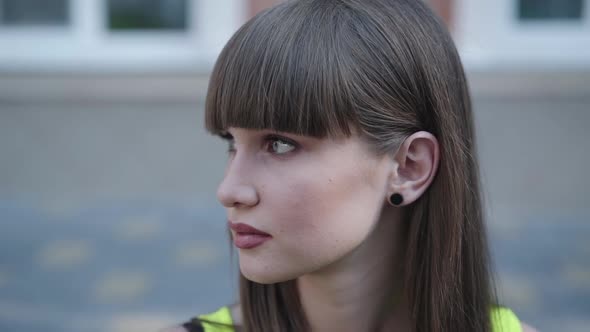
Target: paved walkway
x,y
109,223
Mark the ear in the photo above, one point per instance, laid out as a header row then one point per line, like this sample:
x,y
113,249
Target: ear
x,y
417,161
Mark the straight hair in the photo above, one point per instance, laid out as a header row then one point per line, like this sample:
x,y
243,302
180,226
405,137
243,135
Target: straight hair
x,y
384,69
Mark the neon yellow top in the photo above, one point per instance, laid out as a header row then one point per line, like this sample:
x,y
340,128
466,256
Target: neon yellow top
x,y
222,316
503,320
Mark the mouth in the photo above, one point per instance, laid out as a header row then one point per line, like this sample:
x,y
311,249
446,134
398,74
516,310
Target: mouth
x,y
246,236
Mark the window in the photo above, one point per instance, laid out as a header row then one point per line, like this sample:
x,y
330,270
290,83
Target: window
x,y
529,10
34,12
132,15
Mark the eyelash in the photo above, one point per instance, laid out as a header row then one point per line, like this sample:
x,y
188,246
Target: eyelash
x,y
268,139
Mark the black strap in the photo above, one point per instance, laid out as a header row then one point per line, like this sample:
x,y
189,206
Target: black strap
x,y
193,326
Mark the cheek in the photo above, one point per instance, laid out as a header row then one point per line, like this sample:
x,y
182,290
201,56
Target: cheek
x,y
318,213
326,216
300,210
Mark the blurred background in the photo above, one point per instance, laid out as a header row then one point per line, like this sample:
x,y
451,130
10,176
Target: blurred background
x,y
108,217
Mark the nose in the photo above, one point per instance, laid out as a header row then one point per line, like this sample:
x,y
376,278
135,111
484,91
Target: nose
x,y
237,187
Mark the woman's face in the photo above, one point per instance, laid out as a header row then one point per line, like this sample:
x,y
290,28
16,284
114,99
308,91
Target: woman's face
x,y
319,199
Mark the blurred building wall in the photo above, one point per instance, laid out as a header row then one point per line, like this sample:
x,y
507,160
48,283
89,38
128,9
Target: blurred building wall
x,y
503,34
523,34
107,174
489,34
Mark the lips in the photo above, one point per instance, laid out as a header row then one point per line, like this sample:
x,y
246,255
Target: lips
x,y
246,229
246,236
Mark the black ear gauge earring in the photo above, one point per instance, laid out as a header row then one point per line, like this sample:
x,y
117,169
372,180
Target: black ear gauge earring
x,y
396,199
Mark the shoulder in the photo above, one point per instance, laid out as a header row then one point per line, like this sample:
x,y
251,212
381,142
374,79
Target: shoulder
x,y
236,313
527,328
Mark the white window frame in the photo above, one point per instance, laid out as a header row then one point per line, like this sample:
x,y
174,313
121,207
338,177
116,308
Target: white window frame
x,y
490,34
86,44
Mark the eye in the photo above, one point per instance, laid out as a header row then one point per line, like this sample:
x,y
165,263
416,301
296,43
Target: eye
x,y
272,143
230,141
280,145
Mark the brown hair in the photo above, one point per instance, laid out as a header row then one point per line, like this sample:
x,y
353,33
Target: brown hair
x,y
386,68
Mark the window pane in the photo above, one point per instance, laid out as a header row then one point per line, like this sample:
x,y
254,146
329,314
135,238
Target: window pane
x,y
550,9
34,12
147,14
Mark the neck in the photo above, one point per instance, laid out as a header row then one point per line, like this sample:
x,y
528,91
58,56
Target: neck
x,y
361,291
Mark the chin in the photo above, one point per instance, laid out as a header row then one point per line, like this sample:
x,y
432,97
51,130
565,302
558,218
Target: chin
x,y
264,275
263,280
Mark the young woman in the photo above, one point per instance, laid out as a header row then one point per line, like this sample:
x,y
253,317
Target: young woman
x,y
352,187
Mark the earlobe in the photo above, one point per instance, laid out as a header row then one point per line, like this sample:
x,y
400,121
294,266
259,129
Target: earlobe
x,y
396,199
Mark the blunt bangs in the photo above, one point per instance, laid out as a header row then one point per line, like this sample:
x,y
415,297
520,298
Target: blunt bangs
x,y
278,73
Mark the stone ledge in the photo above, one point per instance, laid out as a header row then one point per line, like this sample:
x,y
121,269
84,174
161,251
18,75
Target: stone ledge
x,y
191,87
92,88
530,84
